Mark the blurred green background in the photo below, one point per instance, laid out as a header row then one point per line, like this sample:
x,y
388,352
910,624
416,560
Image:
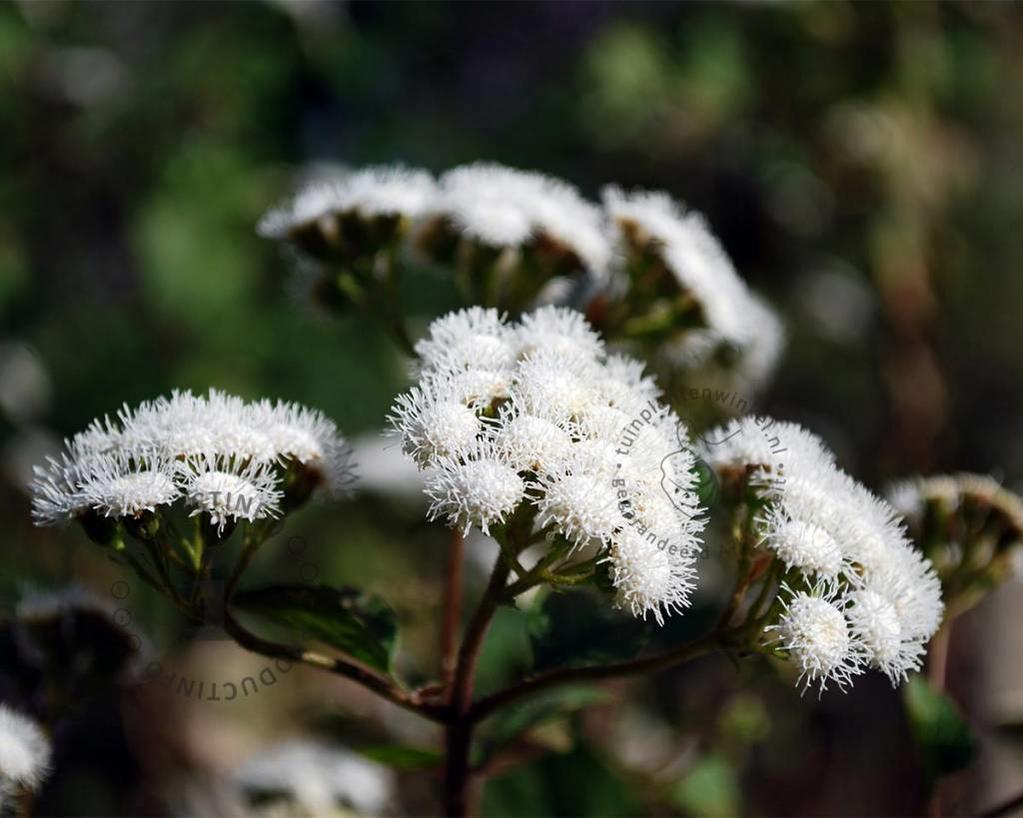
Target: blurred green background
x,y
861,163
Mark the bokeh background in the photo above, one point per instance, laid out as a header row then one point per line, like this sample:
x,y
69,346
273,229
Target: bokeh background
x,y
861,163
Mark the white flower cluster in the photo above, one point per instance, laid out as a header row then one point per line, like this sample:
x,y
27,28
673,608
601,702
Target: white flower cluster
x,y
733,316
503,207
369,192
537,413
24,753
222,456
518,213
867,597
321,779
497,206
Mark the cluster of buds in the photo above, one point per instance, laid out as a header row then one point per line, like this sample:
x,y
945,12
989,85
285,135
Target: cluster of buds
x,y
843,588
970,526
138,478
641,267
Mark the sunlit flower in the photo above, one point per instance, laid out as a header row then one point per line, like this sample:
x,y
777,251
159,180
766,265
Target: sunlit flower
x,y
474,488
553,423
120,486
154,454
842,540
814,631
649,577
227,492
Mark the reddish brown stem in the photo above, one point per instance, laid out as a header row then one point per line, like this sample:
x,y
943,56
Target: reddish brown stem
x,y
368,677
555,678
937,663
458,739
452,612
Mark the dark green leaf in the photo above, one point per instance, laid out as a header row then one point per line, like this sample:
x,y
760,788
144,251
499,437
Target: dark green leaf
x,y
580,628
507,654
347,619
944,740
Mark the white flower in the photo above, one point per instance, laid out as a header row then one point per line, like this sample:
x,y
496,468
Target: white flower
x,y
124,467
372,191
479,490
846,542
503,207
532,443
877,626
478,388
295,432
185,425
691,252
119,486
559,331
322,779
909,582
536,414
814,631
433,424
803,545
56,496
733,316
226,492
649,578
580,499
24,750
625,384
473,338
549,383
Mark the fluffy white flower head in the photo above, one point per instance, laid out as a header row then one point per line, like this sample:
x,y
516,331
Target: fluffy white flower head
x,y
227,493
371,191
551,437
806,546
846,543
650,579
24,750
478,491
733,316
816,634
121,469
502,206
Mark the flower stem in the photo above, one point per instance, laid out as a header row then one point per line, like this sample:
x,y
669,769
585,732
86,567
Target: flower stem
x,y
458,737
563,676
452,610
350,668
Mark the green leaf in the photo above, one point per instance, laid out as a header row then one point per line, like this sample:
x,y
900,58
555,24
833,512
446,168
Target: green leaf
x,y
398,757
579,628
507,653
709,788
512,722
944,740
357,623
